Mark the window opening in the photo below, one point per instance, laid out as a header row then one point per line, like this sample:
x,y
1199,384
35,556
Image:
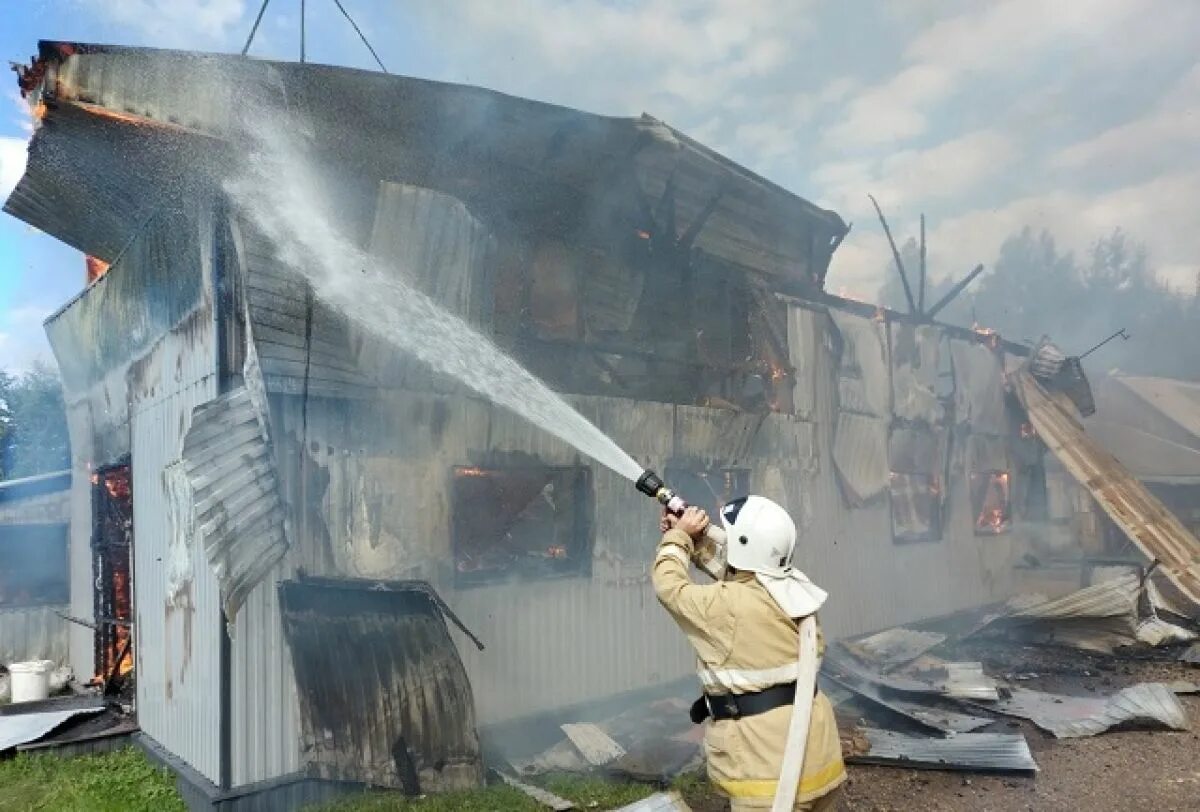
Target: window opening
x,y
991,502
520,522
33,565
916,507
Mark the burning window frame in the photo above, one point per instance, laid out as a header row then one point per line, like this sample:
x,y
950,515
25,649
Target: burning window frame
x,y
902,485
569,555
999,518
112,569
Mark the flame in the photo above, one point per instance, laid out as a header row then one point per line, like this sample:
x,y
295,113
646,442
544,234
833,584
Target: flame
x,y
1027,431
993,516
845,293
880,315
642,235
556,551
96,268
470,471
39,110
993,338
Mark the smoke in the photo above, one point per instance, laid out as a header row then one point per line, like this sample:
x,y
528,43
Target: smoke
x,y
280,193
1036,288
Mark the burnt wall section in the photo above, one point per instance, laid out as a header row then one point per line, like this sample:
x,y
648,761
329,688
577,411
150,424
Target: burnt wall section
x,y
234,494
384,697
152,287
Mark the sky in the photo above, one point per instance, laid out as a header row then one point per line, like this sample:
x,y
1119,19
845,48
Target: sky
x,y
1078,117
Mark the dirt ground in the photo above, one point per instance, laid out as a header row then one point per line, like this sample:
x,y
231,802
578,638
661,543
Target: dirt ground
x,y
1151,771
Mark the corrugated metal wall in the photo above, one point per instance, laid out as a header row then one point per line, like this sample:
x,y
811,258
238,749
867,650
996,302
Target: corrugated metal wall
x,y
873,582
178,645
177,639
33,633
265,713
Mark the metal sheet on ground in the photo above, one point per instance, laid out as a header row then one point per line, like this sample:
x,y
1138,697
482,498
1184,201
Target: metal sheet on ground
x,y
931,717
894,647
967,751
1067,717
28,727
595,745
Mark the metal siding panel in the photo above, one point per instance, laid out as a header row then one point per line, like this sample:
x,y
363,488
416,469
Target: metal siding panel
x,y
81,640
33,633
178,648
265,712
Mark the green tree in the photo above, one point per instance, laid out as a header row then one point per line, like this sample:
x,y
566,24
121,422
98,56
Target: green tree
x,y
1030,284
33,423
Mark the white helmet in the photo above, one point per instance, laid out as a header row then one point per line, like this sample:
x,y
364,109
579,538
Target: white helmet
x,y
760,535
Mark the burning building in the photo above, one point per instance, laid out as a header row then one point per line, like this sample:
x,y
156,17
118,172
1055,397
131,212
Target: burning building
x,y
343,563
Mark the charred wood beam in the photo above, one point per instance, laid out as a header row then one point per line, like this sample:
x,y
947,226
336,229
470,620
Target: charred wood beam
x,y
776,333
100,621
921,287
954,292
912,305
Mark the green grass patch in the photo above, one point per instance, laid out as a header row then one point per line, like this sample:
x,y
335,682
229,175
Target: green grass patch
x,y
587,792
122,781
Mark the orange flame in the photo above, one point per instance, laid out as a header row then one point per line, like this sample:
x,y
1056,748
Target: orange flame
x,y
96,268
471,471
642,235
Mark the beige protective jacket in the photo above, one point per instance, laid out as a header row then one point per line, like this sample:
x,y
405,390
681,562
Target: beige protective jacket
x,y
745,643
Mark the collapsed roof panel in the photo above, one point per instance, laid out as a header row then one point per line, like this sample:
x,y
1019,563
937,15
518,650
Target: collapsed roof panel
x,y
1144,519
534,164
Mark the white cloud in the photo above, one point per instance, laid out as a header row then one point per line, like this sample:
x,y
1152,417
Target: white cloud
x,y
893,111
1168,134
950,170
999,40
174,23
13,152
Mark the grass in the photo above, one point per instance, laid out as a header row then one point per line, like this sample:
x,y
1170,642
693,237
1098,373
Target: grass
x,y
122,781
587,792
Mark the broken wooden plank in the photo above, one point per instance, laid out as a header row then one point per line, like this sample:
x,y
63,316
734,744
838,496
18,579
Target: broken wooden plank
x,y
593,743
544,797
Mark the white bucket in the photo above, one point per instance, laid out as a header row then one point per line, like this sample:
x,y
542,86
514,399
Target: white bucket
x,y
31,680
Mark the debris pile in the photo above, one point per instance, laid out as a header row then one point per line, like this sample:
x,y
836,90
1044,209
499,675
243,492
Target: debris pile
x,y
952,696
909,696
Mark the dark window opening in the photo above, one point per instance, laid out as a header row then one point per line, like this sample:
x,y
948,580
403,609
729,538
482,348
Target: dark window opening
x,y
708,488
112,569
620,321
520,522
916,507
33,565
991,503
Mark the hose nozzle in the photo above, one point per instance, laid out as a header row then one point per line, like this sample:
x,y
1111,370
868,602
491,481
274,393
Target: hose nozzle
x,y
652,485
649,483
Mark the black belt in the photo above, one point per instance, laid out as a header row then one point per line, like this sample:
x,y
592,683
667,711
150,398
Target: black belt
x,y
737,706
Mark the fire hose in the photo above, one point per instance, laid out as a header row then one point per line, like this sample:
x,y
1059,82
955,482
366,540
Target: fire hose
x,y
709,558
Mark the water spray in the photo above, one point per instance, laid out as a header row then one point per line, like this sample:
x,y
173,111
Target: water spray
x,y
710,552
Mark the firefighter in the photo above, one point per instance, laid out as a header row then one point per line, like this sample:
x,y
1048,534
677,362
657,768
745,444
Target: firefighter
x,y
744,630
